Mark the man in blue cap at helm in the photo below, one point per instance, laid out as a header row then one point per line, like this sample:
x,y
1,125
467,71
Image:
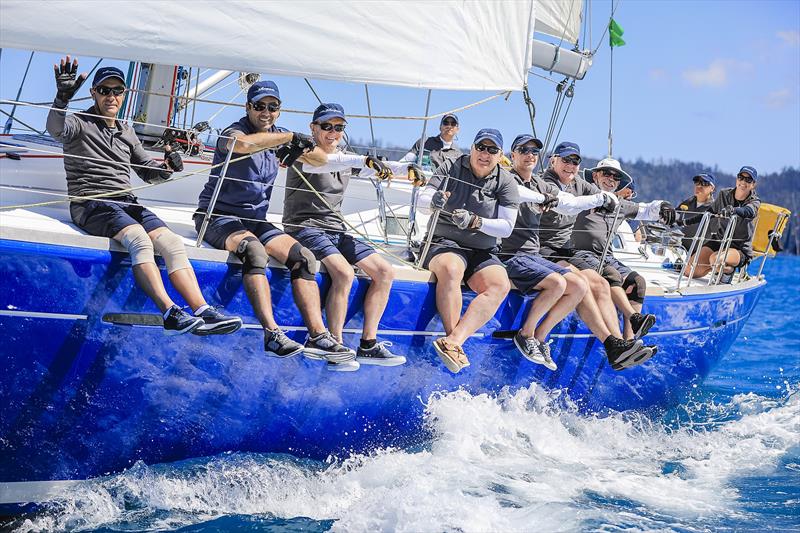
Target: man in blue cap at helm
x,y
478,202
99,154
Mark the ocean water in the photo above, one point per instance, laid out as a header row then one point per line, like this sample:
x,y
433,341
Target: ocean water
x,y
726,459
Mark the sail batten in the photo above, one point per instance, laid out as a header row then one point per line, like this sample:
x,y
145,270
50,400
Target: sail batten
x,y
466,44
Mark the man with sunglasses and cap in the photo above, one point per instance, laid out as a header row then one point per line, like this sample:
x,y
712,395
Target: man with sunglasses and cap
x,y
593,229
478,202
556,231
740,201
312,214
99,153
239,224
441,147
704,185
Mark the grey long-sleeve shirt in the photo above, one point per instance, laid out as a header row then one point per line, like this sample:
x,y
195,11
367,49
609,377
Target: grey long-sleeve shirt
x,y
113,150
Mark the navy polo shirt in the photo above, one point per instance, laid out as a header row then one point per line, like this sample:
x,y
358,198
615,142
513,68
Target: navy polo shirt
x,y
248,198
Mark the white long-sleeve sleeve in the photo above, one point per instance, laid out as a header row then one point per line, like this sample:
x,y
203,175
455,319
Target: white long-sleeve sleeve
x,y
424,200
571,205
503,225
649,211
529,195
337,162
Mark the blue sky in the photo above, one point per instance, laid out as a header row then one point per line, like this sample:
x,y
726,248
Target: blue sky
x,y
710,81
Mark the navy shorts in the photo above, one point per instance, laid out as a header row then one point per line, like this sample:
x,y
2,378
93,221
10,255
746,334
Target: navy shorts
x,y
105,218
565,254
715,243
474,260
613,272
526,271
222,225
323,243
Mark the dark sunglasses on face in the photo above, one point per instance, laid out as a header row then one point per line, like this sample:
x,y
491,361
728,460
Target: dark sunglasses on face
x,y
745,178
102,90
494,150
574,160
449,123
610,174
327,126
261,106
527,150
702,183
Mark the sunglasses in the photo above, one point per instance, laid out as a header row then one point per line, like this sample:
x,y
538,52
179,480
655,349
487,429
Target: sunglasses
x,y
261,106
702,183
745,178
610,174
494,150
449,123
327,126
102,90
527,150
574,160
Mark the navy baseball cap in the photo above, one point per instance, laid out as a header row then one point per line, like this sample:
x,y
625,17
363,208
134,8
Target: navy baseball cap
x,y
449,115
525,138
105,73
328,111
706,176
489,134
567,149
750,170
262,89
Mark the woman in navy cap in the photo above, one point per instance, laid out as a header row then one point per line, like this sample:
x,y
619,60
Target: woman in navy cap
x,y
740,201
704,185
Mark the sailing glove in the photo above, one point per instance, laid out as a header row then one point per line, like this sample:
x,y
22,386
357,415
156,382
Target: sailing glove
x,y
289,152
666,214
463,219
610,202
727,212
67,80
173,160
382,172
416,176
550,201
438,200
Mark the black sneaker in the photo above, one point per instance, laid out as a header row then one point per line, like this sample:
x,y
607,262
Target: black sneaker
x,y
641,324
179,321
277,344
216,323
644,354
325,347
618,350
548,358
379,355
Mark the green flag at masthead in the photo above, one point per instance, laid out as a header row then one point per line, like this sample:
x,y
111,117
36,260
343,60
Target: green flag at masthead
x,y
615,32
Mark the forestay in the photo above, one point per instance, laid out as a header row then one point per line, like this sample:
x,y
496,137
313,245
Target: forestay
x,y
470,45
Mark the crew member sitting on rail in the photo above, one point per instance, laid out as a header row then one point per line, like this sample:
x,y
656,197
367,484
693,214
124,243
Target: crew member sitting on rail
x,y
99,152
440,147
238,221
559,289
704,185
742,202
478,203
555,231
593,229
312,214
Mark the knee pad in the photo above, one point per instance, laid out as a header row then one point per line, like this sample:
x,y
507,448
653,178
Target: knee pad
x,y
139,246
612,276
252,255
301,263
635,287
171,248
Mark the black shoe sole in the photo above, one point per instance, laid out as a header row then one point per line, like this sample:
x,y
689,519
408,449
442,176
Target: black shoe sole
x,y
636,359
221,328
648,322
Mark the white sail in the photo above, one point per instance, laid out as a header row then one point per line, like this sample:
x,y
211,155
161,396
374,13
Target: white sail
x,y
467,44
559,18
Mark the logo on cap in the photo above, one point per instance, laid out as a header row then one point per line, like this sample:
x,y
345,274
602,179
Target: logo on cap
x,y
489,134
105,73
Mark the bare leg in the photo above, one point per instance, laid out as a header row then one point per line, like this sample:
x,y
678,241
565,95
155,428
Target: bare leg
x,y
703,263
492,286
574,292
255,286
622,303
305,291
449,270
342,275
382,274
551,288
602,295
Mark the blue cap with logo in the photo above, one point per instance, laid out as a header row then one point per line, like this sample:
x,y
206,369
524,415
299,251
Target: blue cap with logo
x,y
328,111
105,73
525,138
262,89
567,149
450,116
750,170
706,176
489,134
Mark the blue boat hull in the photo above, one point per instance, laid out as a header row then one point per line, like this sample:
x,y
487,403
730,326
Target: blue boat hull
x,y
81,397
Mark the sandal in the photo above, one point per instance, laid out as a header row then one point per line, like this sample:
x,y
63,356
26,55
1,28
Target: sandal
x,y
452,355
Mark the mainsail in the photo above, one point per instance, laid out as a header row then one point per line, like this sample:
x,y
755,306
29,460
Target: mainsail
x,y
466,44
